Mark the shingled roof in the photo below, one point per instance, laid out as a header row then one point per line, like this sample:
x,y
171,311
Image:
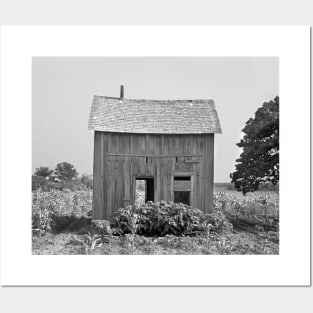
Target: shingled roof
x,y
153,116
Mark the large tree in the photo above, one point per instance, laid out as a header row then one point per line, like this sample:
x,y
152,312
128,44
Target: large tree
x,y
259,160
65,171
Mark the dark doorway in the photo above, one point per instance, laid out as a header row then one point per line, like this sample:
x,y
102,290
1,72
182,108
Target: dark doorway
x,y
182,196
145,188
182,178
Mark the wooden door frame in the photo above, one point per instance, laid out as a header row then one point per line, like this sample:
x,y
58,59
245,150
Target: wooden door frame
x,y
140,177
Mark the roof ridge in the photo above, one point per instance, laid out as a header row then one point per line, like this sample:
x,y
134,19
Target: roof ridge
x,y
210,101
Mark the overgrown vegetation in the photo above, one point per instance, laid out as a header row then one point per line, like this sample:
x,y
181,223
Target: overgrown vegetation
x,y
56,211
249,212
62,224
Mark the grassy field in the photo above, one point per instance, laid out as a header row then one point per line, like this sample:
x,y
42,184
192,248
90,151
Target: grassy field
x,y
62,225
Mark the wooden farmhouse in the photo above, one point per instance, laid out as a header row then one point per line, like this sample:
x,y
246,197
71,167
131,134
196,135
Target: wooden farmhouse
x,y
167,144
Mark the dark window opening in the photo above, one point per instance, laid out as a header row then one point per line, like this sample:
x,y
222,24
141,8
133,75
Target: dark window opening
x,y
146,159
144,189
182,178
182,196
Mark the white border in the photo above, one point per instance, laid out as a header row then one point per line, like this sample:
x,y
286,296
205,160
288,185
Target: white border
x,y
20,43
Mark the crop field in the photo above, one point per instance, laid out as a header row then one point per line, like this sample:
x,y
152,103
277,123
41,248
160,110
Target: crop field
x,y
62,224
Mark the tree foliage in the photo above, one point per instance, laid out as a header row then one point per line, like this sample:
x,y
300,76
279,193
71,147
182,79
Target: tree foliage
x,y
65,172
43,171
86,180
38,182
259,160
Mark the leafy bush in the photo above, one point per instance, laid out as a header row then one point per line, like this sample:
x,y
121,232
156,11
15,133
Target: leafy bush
x,y
159,219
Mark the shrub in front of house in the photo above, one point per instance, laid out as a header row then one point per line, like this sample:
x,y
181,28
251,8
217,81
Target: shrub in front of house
x,y
161,218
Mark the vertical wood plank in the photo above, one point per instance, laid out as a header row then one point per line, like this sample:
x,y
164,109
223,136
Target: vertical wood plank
x,y
171,168
111,172
158,151
132,186
162,170
206,176
197,170
201,140
165,168
193,167
134,149
192,190
181,146
188,150
210,171
177,151
101,187
143,166
96,203
163,186
165,144
112,186
104,178
115,138
127,172
209,174
154,160
120,177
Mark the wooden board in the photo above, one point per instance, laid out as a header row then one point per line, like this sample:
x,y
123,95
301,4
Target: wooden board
x,y
209,174
97,194
182,185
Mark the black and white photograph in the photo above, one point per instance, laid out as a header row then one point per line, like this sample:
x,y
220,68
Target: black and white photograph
x,y
155,155
177,160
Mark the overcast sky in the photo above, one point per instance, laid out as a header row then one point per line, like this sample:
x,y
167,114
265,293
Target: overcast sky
x,y
63,89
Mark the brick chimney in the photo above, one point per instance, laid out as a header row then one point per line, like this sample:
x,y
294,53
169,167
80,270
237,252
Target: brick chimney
x,y
122,92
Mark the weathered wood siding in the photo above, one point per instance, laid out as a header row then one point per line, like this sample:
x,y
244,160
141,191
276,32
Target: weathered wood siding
x,y
119,158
